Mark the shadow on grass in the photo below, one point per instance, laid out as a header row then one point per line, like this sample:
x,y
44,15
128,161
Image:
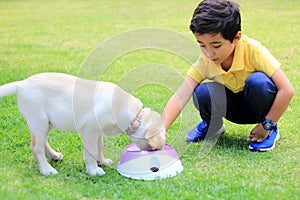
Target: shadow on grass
x,y
227,143
233,142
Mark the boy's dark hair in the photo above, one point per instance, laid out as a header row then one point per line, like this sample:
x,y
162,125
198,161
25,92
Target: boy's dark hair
x,y
217,16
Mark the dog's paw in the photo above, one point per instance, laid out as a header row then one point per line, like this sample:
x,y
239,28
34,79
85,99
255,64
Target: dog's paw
x,y
52,155
57,157
97,171
106,161
46,171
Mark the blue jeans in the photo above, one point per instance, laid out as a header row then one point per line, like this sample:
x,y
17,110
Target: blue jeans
x,y
214,101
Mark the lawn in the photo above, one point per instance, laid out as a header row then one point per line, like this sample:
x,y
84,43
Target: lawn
x,y
146,48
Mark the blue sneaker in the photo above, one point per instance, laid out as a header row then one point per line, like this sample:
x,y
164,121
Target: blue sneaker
x,y
268,143
198,133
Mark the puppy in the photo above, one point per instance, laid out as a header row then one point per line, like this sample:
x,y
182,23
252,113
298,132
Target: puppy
x,y
92,108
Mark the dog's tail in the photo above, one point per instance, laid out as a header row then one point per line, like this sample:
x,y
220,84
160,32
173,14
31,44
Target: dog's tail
x,y
9,88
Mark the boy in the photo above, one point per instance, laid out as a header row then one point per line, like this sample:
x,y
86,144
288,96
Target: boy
x,y
247,86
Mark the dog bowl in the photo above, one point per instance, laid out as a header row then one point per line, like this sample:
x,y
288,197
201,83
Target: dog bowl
x,y
149,165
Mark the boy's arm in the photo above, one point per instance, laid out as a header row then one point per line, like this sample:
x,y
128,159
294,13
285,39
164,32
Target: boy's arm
x,y
178,101
284,95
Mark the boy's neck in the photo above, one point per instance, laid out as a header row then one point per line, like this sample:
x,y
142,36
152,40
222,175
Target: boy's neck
x,y
226,65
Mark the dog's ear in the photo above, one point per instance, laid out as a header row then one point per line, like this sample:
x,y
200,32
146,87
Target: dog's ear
x,y
151,134
143,144
156,143
155,133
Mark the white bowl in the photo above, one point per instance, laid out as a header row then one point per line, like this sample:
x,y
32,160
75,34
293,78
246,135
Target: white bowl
x,y
149,165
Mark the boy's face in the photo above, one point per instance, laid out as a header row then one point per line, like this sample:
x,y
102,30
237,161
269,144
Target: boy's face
x,y
216,48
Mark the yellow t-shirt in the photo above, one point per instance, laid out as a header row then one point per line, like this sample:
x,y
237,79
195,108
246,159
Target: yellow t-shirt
x,y
249,56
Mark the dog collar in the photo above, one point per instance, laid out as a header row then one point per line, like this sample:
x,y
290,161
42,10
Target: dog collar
x,y
135,124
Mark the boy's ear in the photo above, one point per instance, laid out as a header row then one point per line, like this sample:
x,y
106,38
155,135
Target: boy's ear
x,y
237,37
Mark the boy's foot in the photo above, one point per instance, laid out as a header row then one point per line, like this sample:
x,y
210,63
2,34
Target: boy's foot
x,y
268,143
199,132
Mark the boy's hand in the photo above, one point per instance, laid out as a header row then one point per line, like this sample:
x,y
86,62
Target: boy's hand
x,y
258,133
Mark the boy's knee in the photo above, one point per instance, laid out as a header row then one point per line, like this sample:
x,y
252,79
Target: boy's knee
x,y
201,90
201,95
257,78
205,92
259,83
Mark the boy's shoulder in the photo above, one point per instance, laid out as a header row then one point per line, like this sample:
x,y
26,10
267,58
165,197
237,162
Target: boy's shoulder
x,y
248,45
245,40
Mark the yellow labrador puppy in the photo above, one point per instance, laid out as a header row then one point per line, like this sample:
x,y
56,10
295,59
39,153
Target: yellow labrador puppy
x,y
92,108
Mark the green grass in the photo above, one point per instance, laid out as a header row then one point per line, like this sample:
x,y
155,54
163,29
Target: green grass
x,y
39,36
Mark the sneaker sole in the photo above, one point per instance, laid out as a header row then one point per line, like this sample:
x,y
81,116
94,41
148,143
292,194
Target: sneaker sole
x,y
266,149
